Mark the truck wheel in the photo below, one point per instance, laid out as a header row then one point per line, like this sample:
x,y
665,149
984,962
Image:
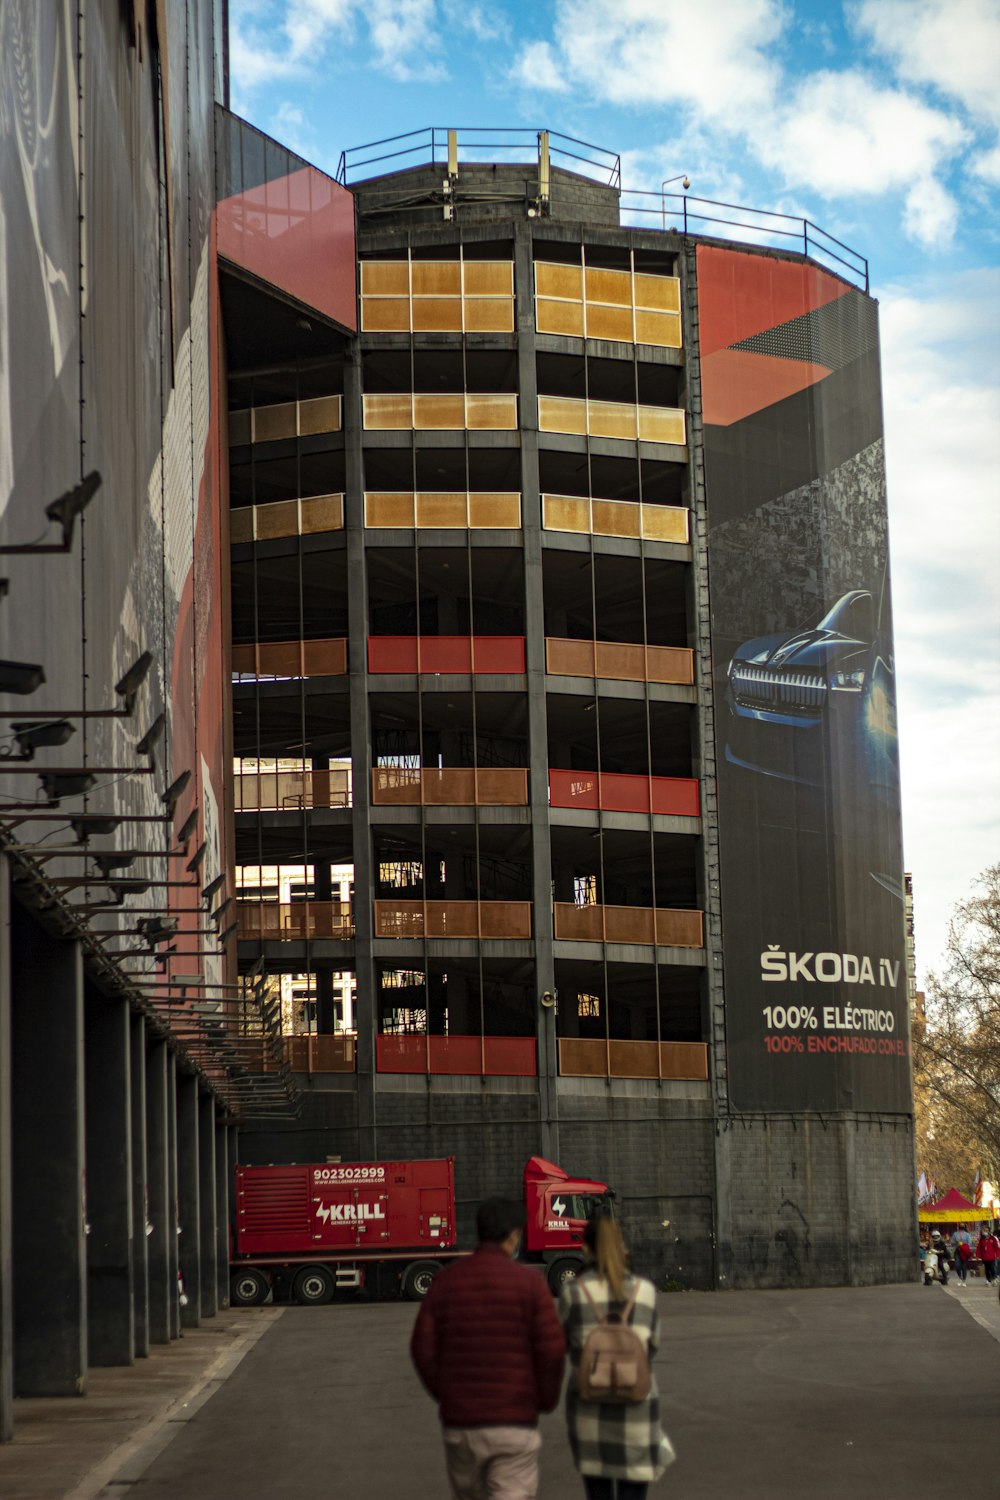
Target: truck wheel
x,y
248,1288
560,1272
417,1278
313,1285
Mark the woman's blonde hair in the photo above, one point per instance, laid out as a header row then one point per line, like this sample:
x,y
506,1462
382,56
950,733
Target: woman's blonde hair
x,y
604,1240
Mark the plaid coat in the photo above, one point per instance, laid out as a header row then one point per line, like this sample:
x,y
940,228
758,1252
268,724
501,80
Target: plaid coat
x,y
615,1442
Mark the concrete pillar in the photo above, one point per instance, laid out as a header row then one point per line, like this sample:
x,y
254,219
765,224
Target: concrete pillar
x,y
140,1191
189,1197
223,1179
6,1221
108,1095
47,1150
545,1025
160,1208
173,1241
208,1248
366,1015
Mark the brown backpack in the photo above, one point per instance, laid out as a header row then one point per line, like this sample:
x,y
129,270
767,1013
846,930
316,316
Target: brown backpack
x,y
614,1366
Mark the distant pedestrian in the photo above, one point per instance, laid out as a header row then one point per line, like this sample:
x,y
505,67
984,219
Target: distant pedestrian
x,y
488,1346
618,1448
988,1250
961,1250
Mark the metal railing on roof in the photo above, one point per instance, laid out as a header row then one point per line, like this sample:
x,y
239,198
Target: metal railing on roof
x,y
682,213
687,215
430,145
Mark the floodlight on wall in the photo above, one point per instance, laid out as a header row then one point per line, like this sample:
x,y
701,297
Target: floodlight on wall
x,y
156,930
214,887
107,863
217,913
175,792
32,736
128,686
188,827
154,734
72,503
59,784
21,677
225,935
87,824
128,886
197,857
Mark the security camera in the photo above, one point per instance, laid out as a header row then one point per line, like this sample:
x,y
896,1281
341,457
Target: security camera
x,y
686,183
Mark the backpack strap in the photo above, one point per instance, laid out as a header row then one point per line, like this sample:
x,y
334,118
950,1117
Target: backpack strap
x,y
626,1316
593,1304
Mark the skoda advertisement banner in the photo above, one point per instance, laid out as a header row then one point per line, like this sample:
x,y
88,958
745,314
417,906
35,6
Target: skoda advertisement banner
x,y
805,705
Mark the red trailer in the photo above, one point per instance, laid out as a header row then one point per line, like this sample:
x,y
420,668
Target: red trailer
x,y
316,1228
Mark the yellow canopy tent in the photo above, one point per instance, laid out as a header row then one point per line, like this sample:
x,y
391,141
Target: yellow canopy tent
x,y
954,1209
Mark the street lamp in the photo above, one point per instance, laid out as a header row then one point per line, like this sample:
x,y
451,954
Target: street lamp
x,y
685,182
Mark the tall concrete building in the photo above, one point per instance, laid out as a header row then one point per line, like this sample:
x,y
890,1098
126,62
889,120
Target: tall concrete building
x,y
564,707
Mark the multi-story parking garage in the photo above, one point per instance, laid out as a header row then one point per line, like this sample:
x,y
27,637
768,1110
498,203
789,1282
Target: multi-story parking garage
x,y
518,834
543,542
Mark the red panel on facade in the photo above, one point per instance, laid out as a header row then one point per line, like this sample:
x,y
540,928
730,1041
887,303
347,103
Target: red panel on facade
x,y
573,789
297,234
401,1054
676,796
512,1056
620,793
741,294
446,653
456,1054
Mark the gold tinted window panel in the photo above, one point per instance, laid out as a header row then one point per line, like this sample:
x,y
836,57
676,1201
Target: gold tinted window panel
x,y
614,287
385,278
489,314
436,278
385,315
609,323
488,278
562,414
659,293
663,329
552,280
564,318
437,314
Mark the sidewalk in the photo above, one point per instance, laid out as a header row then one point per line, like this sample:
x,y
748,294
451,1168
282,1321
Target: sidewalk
x,y
767,1395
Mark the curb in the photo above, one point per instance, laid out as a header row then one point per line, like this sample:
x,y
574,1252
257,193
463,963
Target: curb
x,y
126,1464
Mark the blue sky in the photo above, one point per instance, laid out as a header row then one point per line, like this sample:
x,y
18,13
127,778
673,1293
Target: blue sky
x,y
877,119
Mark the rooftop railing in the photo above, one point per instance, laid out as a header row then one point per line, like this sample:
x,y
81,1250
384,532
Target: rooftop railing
x,y
681,212
431,145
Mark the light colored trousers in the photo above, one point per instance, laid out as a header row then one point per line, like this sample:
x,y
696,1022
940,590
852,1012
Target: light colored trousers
x,y
492,1463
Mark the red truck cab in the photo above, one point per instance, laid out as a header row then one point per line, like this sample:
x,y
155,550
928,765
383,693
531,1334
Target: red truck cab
x,y
558,1206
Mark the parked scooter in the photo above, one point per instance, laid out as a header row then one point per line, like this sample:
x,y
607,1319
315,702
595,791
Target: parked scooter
x,y
936,1264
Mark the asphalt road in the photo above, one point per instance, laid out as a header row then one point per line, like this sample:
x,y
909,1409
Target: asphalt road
x,y
877,1394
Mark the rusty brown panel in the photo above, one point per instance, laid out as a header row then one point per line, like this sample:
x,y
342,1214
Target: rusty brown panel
x,y
679,929
669,664
687,1060
633,1059
583,1057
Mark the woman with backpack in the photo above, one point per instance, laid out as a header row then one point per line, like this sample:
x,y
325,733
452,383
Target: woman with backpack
x,y
612,1403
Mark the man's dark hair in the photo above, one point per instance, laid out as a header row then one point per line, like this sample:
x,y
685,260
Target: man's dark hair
x,y
496,1218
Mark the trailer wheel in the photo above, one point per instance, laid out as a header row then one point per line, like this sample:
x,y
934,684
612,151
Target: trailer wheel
x,y
560,1272
248,1288
417,1278
313,1285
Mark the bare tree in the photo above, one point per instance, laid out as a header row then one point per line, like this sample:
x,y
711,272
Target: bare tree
x,y
956,1051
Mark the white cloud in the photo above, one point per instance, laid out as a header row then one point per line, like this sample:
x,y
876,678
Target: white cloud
x,y
840,133
645,52
536,68
290,38
941,365
953,45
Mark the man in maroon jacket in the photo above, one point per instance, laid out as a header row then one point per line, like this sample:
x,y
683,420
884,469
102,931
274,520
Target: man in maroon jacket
x,y
488,1346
